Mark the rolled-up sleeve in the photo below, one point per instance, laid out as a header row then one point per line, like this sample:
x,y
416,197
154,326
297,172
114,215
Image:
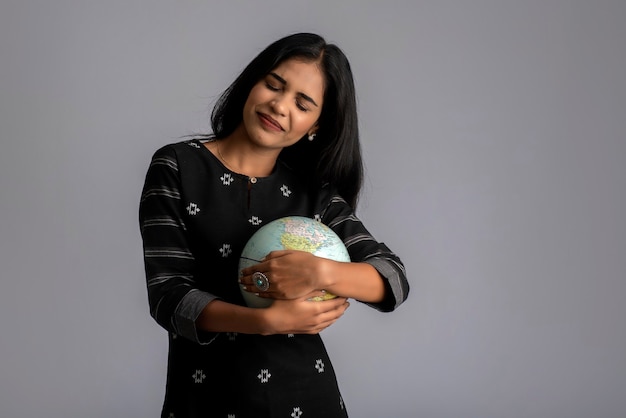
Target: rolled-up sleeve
x,y
363,247
174,298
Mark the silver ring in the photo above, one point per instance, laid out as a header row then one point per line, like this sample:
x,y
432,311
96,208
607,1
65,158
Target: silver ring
x,y
261,281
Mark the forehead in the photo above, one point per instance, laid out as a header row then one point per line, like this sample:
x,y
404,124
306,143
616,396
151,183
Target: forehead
x,y
303,76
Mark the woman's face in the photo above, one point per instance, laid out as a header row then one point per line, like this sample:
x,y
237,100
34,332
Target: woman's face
x,y
284,105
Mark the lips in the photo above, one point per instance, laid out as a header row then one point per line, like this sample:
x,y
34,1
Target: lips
x,y
269,122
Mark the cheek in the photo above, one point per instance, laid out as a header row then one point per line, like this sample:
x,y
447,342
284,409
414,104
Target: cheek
x,y
305,122
254,97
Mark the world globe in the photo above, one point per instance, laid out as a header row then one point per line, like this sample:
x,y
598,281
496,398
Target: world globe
x,y
291,233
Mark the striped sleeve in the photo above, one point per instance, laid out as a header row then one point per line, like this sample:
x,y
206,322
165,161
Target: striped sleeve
x,y
363,247
174,299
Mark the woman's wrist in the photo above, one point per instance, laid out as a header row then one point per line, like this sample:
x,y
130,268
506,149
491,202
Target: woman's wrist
x,y
358,281
220,316
326,274
263,321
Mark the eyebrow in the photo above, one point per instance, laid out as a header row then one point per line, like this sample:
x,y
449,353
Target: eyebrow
x,y
304,96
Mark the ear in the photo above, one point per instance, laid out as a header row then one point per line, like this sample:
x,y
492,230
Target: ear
x,y
313,129
312,132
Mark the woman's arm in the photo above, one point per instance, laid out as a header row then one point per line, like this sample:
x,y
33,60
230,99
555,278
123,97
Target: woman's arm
x,y
176,302
298,316
173,294
359,281
364,248
375,276
293,274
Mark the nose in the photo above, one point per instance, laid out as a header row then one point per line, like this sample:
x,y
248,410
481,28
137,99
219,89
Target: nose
x,y
278,105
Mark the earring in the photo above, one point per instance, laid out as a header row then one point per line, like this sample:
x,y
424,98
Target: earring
x,y
311,136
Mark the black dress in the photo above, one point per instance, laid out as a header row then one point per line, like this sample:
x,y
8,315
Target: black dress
x,y
196,216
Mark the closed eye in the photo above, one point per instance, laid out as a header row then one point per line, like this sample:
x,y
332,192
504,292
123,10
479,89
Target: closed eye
x,y
271,86
299,101
301,96
301,106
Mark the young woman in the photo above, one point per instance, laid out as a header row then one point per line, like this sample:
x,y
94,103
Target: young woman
x,y
285,142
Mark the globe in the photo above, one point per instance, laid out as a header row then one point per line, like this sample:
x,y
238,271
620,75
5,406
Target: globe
x,y
291,233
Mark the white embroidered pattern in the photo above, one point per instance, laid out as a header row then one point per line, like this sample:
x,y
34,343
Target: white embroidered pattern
x,y
231,415
319,365
317,217
285,190
290,335
297,413
198,376
193,144
226,250
192,208
227,178
264,376
255,221
232,336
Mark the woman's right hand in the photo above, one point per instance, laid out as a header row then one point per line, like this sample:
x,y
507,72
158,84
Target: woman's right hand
x,y
302,316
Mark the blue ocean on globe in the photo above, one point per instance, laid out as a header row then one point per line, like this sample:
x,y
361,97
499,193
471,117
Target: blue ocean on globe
x,y
291,233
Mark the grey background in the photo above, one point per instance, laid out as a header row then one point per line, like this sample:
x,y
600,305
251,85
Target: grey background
x,y
494,138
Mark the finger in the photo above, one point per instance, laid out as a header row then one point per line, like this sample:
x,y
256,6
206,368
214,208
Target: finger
x,y
331,304
314,294
323,321
266,295
247,281
326,314
249,271
316,328
276,254
255,291
330,318
251,288
258,281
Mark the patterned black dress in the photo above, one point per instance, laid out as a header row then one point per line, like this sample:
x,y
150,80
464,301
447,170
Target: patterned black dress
x,y
196,216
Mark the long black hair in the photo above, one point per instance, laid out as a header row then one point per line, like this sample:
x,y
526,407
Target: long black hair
x,y
335,155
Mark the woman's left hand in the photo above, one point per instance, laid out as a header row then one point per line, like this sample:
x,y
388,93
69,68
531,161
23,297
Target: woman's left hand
x,y
291,274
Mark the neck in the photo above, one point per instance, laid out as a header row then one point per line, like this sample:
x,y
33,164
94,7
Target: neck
x,y
241,156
